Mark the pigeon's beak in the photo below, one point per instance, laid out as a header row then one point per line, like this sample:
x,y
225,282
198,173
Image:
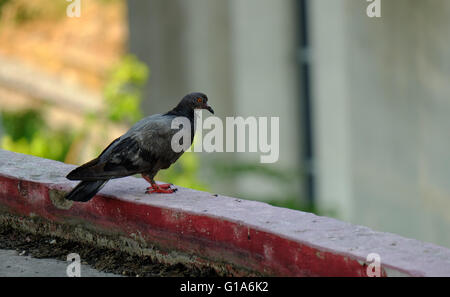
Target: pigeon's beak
x,y
207,107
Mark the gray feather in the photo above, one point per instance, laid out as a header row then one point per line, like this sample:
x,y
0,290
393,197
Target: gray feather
x,y
146,147
85,190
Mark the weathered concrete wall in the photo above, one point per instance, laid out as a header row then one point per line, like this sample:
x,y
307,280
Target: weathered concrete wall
x,y
233,236
382,104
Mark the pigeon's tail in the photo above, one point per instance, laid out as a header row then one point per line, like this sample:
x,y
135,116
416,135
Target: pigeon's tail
x,y
85,190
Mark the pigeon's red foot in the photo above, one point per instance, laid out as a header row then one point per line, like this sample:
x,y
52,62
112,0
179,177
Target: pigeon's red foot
x,y
163,189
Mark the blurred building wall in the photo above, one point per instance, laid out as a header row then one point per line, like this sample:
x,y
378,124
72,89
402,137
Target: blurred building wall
x,y
242,54
382,105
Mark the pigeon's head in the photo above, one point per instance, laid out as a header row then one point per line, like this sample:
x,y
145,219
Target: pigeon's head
x,y
197,101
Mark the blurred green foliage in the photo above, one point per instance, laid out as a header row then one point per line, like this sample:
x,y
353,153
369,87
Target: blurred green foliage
x,y
25,10
22,124
2,4
123,91
26,132
292,202
232,169
288,198
184,173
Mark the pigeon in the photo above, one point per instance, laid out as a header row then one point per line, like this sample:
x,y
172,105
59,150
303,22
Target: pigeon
x,y
144,149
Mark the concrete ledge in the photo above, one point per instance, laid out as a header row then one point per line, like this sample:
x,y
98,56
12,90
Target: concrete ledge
x,y
233,236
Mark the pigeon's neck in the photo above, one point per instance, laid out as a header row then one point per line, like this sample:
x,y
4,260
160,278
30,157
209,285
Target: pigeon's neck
x,y
182,111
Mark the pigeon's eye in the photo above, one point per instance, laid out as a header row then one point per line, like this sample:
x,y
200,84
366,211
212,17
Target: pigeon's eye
x,y
199,100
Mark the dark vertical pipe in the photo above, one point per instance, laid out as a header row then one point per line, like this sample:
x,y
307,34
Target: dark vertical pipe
x,y
305,99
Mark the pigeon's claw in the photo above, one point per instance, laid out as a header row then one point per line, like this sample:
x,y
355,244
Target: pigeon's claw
x,y
162,190
165,186
157,188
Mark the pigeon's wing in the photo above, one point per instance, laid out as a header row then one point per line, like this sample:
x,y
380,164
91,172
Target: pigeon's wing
x,y
157,140
121,158
146,147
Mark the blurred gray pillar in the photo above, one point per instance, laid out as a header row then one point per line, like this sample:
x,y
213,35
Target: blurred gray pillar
x,y
156,38
331,106
186,45
266,78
